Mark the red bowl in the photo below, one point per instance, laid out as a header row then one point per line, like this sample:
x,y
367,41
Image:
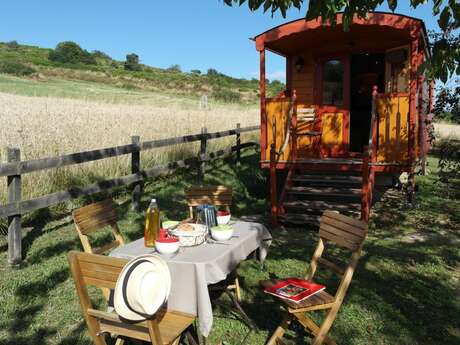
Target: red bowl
x,y
223,213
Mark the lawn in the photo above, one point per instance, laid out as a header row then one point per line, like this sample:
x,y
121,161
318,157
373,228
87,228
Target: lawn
x,y
405,290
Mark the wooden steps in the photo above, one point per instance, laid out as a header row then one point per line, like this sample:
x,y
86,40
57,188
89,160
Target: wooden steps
x,y
299,219
329,180
325,191
307,195
320,206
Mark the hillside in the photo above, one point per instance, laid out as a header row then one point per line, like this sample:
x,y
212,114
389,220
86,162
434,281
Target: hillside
x,y
34,63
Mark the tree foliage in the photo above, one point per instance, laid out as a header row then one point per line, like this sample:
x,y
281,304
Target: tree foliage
x,y
445,61
71,52
132,62
174,68
447,106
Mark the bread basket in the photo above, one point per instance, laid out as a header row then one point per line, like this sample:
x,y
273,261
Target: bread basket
x,y
191,238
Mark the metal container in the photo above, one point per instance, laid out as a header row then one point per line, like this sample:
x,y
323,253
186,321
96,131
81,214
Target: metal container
x,y
206,215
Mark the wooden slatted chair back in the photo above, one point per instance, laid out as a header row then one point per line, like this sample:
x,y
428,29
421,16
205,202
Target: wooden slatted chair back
x,y
214,195
102,271
345,232
95,217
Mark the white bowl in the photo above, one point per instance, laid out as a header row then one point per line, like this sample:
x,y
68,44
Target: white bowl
x,y
221,233
167,247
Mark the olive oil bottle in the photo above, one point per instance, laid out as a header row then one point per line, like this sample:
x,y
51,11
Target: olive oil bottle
x,y
152,224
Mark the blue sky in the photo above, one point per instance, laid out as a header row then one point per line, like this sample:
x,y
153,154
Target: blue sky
x,y
197,34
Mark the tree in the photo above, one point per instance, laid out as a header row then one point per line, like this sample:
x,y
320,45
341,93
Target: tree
x,y
174,68
71,52
447,105
213,72
445,61
132,62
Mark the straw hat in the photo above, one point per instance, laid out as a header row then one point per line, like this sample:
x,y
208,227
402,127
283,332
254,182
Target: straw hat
x,y
142,287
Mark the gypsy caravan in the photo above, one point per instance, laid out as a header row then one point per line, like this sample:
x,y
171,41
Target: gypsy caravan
x,y
354,113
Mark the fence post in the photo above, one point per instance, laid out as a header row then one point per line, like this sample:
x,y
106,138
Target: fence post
x,y
238,144
204,140
136,168
14,222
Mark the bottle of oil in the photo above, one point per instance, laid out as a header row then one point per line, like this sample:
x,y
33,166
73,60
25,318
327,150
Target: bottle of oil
x,y
152,224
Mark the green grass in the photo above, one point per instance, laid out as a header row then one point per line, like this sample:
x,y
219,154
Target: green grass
x,y
405,290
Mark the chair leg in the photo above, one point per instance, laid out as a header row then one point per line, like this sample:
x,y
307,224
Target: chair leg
x,y
313,327
237,289
326,325
280,330
120,341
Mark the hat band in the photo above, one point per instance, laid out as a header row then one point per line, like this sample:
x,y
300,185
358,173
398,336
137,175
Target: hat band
x,y
125,288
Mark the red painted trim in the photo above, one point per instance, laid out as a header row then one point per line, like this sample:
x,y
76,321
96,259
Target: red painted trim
x,y
289,71
414,26
365,190
414,64
336,167
273,189
263,108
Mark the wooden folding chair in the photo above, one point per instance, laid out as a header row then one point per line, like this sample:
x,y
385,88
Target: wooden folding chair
x,y
166,327
342,231
213,195
95,217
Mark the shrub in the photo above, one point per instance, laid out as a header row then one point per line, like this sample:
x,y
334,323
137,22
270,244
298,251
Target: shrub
x,y
449,164
71,52
174,68
16,68
132,62
227,95
213,72
195,71
101,55
12,44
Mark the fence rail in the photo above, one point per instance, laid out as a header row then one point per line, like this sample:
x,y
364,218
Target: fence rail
x,y
14,168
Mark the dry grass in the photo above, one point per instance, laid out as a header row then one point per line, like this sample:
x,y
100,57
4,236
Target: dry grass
x,y
445,131
47,126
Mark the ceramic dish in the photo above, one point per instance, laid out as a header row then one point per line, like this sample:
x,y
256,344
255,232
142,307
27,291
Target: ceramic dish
x,y
167,245
223,217
222,232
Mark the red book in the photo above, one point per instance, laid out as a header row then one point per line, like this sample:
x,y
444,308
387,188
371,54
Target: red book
x,y
294,289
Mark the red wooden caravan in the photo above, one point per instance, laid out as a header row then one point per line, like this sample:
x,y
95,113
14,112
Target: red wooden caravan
x,y
354,111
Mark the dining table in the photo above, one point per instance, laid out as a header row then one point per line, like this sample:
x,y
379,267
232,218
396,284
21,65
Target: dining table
x,y
193,269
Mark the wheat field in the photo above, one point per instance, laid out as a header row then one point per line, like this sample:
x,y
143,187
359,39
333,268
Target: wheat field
x,y
446,131
50,126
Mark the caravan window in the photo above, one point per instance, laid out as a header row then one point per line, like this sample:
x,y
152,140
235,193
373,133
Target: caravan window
x,y
397,70
333,78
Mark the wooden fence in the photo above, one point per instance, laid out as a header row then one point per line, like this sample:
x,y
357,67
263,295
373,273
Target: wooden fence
x,y
14,168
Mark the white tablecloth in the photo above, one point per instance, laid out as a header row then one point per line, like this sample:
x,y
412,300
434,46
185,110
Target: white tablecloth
x,y
194,268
